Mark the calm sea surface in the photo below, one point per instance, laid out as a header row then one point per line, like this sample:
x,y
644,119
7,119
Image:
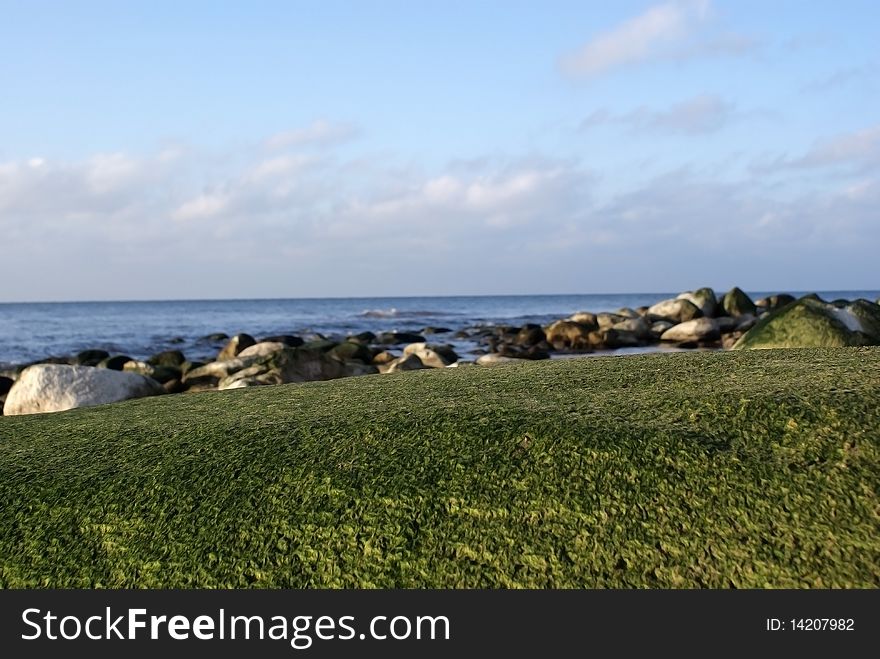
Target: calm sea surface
x,y
34,331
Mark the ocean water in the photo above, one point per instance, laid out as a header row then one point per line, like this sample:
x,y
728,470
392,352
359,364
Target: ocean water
x,y
32,331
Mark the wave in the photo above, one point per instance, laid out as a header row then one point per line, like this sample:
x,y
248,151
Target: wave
x,y
396,313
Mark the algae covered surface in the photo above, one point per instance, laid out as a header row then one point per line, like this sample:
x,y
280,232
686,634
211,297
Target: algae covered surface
x,y
738,469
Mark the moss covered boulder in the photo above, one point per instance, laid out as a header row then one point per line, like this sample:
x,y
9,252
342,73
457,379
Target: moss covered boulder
x,y
737,303
812,323
704,299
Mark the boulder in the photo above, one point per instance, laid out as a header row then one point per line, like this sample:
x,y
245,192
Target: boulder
x,y
436,330
384,357
569,334
530,335
585,318
605,320
626,312
216,337
56,387
405,363
115,363
262,349
810,322
698,329
167,358
289,340
366,338
773,302
675,311
610,339
432,356
5,385
351,351
659,327
737,303
704,299
90,357
638,326
235,345
393,338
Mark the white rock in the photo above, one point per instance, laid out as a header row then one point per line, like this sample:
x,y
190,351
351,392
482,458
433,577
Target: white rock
x,y
430,357
261,349
692,330
58,387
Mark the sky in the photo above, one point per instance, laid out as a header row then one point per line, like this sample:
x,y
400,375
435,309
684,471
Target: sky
x,y
180,150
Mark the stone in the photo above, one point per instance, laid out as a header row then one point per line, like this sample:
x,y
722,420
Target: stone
x,y
530,335
90,357
585,318
698,329
812,323
436,330
737,303
774,302
366,338
432,356
659,327
637,325
704,299
606,320
675,311
351,351
626,312
167,358
405,363
5,385
55,387
216,337
393,338
235,345
289,340
262,349
568,334
115,363
383,357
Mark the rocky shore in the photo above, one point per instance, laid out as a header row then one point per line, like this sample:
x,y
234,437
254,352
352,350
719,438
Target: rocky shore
x,y
693,320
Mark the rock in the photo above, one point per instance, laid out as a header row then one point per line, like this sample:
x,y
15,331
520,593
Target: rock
x,y
704,299
698,329
174,386
810,322
774,302
530,335
432,356
217,337
383,357
606,320
737,303
405,363
167,358
659,327
626,312
746,322
235,345
262,349
393,338
289,340
611,339
115,363
493,358
675,311
727,323
365,338
569,334
436,330
637,325
5,385
281,367
177,340
642,311
585,318
90,357
350,350
319,344
55,387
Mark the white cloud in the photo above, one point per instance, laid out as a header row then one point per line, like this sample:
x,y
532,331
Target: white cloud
x,y
702,114
201,207
638,39
321,133
861,146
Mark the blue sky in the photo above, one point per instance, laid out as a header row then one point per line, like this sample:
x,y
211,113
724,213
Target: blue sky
x,y
275,149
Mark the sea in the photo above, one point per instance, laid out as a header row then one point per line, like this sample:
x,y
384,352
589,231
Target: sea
x,y
37,330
